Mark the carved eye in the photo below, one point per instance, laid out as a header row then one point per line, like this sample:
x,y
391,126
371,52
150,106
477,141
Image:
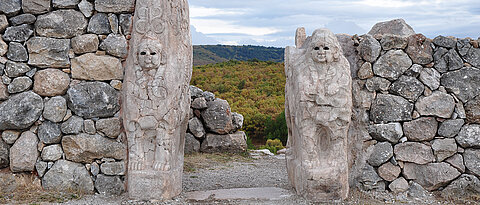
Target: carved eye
x,y
153,53
326,48
143,53
317,48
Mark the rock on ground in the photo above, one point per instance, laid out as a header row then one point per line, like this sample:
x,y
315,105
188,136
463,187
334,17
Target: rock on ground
x,y
20,111
66,175
233,143
23,154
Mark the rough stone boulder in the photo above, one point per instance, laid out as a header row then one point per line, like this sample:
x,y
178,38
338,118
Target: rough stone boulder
x,y
438,104
49,132
4,155
444,148
218,117
109,185
391,132
20,111
10,7
115,6
392,64
86,148
87,43
61,24
196,127
469,52
445,42
48,52
192,145
419,49
13,69
115,45
377,84
408,87
464,83
430,176
51,82
68,176
472,109
111,127
450,128
447,60
24,154
389,172
469,136
96,67
397,27
382,152
93,99
369,48
18,33
414,152
55,109
113,168
36,6
368,180
391,41
233,143
391,108
464,186
457,162
421,129
472,161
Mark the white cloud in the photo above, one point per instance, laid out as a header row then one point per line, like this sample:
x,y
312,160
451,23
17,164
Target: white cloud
x,y
217,26
199,11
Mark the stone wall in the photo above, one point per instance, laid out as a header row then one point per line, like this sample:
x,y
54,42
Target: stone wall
x,y
61,69
416,110
212,126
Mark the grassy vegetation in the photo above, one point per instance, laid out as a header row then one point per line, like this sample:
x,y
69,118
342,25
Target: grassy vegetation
x,y
253,88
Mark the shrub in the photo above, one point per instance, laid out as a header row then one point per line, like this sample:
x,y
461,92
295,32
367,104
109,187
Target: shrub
x,y
277,129
273,145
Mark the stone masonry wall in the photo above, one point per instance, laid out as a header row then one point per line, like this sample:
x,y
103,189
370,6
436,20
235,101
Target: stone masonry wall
x,y
61,72
417,110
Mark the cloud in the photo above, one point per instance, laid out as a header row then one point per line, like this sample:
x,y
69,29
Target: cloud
x,y
273,22
199,38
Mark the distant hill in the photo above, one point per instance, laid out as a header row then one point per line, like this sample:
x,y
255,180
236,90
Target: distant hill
x,y
211,54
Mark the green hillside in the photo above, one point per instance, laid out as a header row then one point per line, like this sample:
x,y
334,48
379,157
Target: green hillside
x,y
253,88
211,54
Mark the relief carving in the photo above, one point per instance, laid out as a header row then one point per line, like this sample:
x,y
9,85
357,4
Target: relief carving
x,y
318,110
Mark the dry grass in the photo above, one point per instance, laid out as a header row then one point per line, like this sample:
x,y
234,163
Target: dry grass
x,y
30,191
203,160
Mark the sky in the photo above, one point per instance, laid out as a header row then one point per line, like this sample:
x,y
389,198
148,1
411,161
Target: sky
x,y
273,22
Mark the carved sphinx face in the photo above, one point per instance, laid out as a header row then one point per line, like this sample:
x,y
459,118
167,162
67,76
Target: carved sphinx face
x,y
324,47
149,55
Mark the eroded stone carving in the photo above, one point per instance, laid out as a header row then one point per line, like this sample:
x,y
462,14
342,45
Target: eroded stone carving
x,y
156,98
318,110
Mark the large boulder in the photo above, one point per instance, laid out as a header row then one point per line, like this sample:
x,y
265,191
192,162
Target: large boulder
x,y
97,67
390,41
391,132
49,132
419,49
20,111
368,180
36,6
4,155
382,152
218,117
68,176
51,82
115,45
414,152
472,161
444,148
17,52
48,52
74,125
233,143
430,77
111,127
397,27
196,127
430,176
446,42
99,24
52,153
11,7
464,83
55,109
18,33
421,129
24,154
93,99
457,162
469,136
438,104
14,69
61,24
87,43
391,108
389,172
392,64
109,185
86,148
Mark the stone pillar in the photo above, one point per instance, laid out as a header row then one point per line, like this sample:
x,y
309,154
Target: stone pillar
x,y
318,108
156,98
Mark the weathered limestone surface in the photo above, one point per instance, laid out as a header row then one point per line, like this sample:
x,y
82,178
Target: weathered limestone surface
x,y
318,80
156,100
96,67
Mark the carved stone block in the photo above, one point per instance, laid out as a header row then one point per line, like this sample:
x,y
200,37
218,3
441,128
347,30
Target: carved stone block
x,y
156,98
318,111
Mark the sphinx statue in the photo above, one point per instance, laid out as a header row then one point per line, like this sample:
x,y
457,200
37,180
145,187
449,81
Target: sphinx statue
x,y
318,108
